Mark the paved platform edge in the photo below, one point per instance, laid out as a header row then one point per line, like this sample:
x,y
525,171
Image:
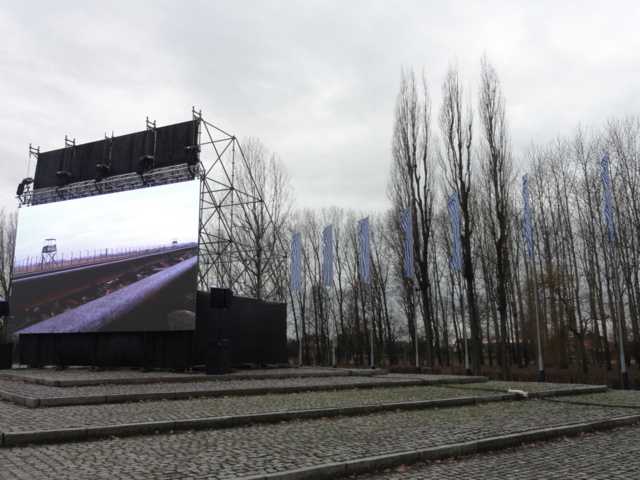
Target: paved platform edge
x,y
292,372
83,433
35,402
373,464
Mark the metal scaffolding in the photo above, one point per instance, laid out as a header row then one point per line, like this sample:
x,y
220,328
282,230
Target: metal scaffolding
x,y
250,264
117,183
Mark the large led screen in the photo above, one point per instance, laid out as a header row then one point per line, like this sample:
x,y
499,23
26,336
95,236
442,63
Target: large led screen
x,y
119,262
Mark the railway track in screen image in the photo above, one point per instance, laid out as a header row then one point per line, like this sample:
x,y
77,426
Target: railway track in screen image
x,y
150,289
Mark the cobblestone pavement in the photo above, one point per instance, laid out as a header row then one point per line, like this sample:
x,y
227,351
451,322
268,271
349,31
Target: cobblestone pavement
x,y
18,418
160,384
259,450
279,450
93,376
42,391
610,455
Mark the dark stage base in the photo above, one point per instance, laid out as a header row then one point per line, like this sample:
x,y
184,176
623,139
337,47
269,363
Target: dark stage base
x,y
127,349
256,331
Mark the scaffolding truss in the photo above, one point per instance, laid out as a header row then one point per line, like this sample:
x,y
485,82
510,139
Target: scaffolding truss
x,y
239,249
117,183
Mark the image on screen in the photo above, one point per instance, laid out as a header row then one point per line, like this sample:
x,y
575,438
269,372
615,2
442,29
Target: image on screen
x,y
120,262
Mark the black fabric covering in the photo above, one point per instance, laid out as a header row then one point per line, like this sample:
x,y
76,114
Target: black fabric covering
x,y
128,349
6,356
218,358
5,309
221,297
81,161
256,332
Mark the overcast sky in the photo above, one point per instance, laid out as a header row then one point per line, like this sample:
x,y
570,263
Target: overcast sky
x,y
315,81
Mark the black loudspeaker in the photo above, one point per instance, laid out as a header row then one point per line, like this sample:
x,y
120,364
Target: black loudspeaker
x,y
221,297
4,308
218,358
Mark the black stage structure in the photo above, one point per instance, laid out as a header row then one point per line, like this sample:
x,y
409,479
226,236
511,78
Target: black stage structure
x,y
247,331
253,331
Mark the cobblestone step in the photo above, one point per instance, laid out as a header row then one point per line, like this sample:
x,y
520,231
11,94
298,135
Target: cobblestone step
x,y
600,455
86,377
282,409
362,466
21,390
327,447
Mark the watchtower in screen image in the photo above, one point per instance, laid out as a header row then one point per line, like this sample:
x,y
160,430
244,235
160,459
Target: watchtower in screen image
x,y
49,251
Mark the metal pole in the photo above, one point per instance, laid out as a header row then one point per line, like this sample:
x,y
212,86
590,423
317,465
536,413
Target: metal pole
x,y
623,363
373,362
300,336
415,327
464,328
334,340
333,350
535,301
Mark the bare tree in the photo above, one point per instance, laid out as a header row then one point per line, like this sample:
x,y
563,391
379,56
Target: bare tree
x,y
586,148
8,228
497,170
336,217
623,142
412,185
261,217
382,251
456,125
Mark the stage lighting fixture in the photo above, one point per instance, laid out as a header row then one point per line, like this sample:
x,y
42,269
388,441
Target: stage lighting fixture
x,y
23,184
145,164
63,178
102,170
193,154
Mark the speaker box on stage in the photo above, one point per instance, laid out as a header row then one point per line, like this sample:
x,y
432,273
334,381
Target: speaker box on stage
x,y
4,308
6,356
221,297
218,358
